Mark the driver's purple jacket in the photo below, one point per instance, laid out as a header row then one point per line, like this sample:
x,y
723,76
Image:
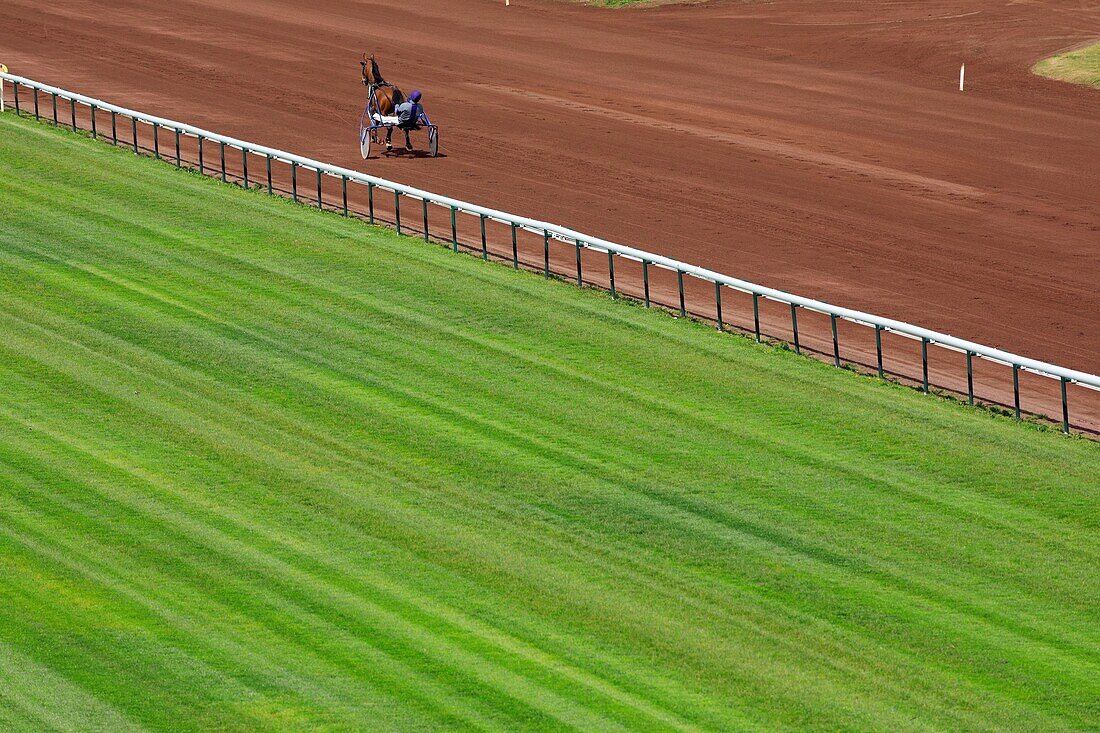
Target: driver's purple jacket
x,y
407,113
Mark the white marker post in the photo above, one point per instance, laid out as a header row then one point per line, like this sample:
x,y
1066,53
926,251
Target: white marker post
x,y
962,76
3,69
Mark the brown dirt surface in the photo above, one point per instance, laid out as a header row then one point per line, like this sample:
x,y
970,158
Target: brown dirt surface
x,y
821,148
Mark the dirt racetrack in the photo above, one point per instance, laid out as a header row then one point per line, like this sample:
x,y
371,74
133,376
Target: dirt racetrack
x,y
822,148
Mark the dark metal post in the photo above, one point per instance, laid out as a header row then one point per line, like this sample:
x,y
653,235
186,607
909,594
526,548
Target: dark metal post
x,y
579,281
133,131
970,377
179,160
397,209
924,362
515,248
320,201
484,244
756,315
680,283
1065,408
114,128
1016,389
718,304
269,187
546,254
156,141
344,192
294,181
836,342
611,273
244,167
878,348
645,280
424,206
370,203
36,115
202,168
454,229
15,91
95,133
54,96
72,113
794,327
221,153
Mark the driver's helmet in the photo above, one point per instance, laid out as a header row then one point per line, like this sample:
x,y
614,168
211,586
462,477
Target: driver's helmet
x,y
415,95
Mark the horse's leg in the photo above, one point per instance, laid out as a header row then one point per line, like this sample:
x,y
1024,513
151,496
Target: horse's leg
x,y
408,143
389,134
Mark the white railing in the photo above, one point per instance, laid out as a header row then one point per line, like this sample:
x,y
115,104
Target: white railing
x,y
581,240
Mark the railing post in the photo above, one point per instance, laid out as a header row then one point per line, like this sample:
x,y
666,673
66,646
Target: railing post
x,y
270,189
424,206
133,131
878,349
924,362
397,209
515,248
611,273
370,202
202,168
114,128
95,134
320,199
15,92
36,115
1065,408
645,280
794,327
454,229
1016,389
221,153
756,315
836,342
970,377
156,141
179,160
484,243
546,254
579,280
294,181
718,304
244,167
53,95
680,284
72,113
344,192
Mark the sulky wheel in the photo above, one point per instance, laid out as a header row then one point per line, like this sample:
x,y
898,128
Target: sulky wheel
x,y
364,141
433,141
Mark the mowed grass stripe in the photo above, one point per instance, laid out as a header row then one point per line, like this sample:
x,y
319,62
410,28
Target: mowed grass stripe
x,y
402,489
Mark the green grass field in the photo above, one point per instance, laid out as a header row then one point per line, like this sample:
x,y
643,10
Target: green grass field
x,y
1078,67
265,468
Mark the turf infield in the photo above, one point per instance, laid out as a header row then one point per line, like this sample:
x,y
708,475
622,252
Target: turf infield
x,y
265,468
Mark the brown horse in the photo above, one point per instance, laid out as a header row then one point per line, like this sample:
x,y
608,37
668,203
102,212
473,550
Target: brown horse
x,y
386,96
